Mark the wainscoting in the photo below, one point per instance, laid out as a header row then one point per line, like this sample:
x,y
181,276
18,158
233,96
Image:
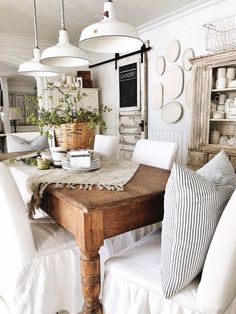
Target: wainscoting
x,y
178,136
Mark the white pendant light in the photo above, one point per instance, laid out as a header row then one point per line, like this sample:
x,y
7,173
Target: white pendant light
x,y
34,67
64,54
110,35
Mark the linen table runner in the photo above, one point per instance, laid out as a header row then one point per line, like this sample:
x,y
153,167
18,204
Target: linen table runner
x,y
112,175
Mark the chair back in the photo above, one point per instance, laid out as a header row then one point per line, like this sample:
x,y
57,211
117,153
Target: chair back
x,y
3,307
106,145
25,141
16,239
155,153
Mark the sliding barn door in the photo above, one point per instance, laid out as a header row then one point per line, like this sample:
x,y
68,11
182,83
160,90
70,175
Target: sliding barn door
x,y
133,102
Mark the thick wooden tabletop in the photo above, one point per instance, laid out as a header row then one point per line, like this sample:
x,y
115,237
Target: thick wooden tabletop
x,y
136,202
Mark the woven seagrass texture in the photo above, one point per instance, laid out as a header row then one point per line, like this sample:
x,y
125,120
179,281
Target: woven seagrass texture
x,y
74,135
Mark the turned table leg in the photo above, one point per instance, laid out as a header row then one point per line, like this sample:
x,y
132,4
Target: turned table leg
x,y
89,237
91,283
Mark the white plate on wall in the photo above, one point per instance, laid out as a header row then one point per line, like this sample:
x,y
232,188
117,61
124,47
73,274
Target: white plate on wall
x,y
157,96
173,82
173,50
171,112
160,65
188,54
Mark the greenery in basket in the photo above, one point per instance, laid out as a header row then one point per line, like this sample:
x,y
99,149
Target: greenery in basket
x,y
68,110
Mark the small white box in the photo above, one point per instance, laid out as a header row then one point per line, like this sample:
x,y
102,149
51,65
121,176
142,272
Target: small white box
x,y
80,158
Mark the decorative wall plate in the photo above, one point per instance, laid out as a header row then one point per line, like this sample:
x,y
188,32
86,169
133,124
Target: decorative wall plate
x,y
173,50
171,112
188,54
160,65
157,96
173,82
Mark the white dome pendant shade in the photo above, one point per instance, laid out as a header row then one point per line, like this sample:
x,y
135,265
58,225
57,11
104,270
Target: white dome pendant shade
x,y
110,35
64,54
34,67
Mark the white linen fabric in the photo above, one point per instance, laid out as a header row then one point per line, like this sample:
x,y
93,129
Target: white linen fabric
x,y
155,153
3,307
14,227
16,143
217,287
193,206
34,263
219,170
106,145
132,283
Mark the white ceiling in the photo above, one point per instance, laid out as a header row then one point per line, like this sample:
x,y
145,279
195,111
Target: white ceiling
x,y
16,15
7,69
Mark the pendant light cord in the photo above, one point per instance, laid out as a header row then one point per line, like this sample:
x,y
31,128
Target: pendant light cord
x,y
62,16
35,27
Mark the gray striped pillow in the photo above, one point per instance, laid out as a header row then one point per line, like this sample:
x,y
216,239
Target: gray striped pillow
x,y
219,170
193,206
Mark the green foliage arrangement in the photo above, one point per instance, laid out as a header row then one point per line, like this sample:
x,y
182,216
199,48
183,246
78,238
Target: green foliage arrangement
x,y
68,110
29,161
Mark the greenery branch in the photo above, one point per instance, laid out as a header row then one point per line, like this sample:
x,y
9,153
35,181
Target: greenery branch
x,y
69,110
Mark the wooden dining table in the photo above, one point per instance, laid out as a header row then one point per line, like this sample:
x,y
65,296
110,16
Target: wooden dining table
x,y
95,215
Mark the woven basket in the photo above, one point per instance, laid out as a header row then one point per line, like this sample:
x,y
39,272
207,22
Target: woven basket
x,y
74,135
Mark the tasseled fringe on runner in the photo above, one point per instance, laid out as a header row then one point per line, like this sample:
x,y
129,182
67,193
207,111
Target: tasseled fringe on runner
x,y
38,194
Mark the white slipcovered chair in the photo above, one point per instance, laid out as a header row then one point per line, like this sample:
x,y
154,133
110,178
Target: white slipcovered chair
x,y
3,307
155,153
135,279
39,265
151,153
25,141
132,281
106,145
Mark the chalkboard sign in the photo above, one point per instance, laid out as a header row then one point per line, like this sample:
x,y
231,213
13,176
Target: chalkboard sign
x,y
128,83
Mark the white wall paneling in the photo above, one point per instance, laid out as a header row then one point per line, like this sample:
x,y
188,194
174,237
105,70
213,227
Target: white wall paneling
x,y
178,136
187,27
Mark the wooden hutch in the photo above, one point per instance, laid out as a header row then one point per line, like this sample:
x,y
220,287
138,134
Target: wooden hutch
x,y
202,124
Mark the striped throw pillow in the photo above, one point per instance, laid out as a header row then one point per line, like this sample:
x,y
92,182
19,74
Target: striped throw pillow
x,y
219,170
193,206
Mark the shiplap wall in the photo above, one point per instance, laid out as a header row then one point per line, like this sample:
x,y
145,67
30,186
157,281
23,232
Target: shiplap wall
x,y
186,26
178,136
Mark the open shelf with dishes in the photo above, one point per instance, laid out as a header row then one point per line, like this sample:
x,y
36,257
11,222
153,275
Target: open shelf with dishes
x,y
224,90
223,120
213,125
222,128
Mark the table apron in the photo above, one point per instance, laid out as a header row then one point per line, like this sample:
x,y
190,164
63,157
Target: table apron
x,y
117,219
131,215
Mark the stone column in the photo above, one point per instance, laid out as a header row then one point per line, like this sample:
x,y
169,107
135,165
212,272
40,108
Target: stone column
x,y
4,87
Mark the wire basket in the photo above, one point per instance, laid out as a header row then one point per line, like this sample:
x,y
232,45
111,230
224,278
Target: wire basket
x,y
221,34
